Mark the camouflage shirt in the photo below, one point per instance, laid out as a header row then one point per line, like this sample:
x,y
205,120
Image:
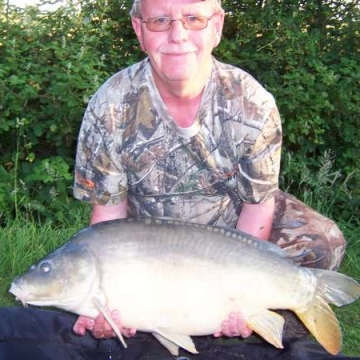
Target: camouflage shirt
x,y
129,146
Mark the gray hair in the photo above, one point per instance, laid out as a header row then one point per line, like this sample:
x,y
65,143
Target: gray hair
x,y
136,11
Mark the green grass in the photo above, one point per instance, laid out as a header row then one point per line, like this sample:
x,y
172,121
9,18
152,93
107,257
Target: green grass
x,y
23,242
349,316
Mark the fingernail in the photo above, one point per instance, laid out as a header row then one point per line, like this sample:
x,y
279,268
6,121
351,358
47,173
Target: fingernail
x,y
90,323
98,335
78,330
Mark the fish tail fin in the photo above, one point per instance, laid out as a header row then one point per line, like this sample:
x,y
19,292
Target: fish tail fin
x,y
323,324
334,288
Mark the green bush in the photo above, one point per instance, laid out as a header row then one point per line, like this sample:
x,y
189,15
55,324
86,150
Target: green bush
x,y
51,64
307,53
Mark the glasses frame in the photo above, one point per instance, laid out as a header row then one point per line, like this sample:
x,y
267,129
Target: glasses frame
x,y
169,24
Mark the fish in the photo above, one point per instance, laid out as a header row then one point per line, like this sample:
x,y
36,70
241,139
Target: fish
x,y
177,280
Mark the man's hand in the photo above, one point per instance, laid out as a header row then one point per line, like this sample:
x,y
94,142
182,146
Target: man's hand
x,y
234,326
100,328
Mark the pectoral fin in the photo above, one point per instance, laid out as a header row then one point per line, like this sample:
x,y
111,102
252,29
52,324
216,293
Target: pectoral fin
x,y
173,341
108,318
268,325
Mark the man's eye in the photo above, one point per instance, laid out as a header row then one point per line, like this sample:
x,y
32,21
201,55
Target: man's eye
x,y
161,20
192,18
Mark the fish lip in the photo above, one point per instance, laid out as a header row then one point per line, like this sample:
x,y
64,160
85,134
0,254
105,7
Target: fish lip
x,y
23,296
19,293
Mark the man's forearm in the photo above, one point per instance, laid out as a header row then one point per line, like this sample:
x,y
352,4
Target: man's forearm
x,y
108,212
257,219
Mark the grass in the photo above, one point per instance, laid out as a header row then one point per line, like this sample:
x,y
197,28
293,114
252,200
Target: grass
x,y
24,242
349,316
21,244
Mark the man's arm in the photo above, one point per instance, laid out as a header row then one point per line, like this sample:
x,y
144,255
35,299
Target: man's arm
x,y
257,219
107,212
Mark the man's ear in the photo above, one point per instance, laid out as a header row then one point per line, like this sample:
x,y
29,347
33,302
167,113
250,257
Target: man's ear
x,y
136,23
219,24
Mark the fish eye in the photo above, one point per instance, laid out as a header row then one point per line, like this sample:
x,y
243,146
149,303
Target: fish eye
x,y
45,267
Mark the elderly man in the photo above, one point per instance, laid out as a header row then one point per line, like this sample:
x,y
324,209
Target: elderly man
x,y
180,135
183,135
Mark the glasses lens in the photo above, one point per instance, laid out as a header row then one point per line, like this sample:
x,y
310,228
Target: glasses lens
x,y
163,23
158,23
194,22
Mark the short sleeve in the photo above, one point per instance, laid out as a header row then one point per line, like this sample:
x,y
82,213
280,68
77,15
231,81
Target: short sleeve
x,y
259,166
99,175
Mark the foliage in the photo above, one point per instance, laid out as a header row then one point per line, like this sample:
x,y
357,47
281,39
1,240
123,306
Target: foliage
x,y
305,53
327,191
51,64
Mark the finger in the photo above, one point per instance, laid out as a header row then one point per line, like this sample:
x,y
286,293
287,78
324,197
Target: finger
x,y
102,328
98,330
225,328
245,332
128,332
82,324
235,324
238,326
79,327
242,329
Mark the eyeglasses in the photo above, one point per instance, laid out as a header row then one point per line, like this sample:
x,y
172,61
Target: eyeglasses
x,y
190,22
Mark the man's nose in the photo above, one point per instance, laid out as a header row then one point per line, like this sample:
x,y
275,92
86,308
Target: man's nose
x,y
178,32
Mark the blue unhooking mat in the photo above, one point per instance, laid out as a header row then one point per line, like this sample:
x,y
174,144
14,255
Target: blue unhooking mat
x,y
33,334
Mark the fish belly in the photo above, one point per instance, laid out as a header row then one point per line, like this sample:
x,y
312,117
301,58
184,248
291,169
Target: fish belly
x,y
192,296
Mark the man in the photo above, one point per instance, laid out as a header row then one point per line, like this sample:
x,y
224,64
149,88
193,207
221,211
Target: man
x,y
183,135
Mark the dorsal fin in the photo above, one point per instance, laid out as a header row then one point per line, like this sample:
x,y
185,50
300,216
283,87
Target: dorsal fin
x,y
225,231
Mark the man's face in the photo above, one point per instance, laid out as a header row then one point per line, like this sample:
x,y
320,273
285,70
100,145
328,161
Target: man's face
x,y
179,54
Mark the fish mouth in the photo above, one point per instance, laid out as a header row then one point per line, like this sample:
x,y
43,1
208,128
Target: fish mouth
x,y
20,294
26,298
